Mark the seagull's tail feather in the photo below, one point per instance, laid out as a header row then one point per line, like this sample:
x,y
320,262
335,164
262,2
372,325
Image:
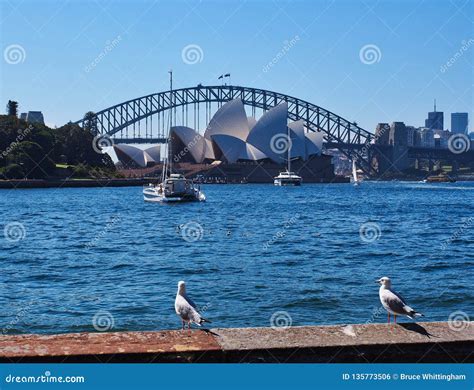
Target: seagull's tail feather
x,y
413,314
205,320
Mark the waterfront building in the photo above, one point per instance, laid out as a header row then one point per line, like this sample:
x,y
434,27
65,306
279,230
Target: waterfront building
x,y
426,137
34,117
236,148
382,134
398,134
459,121
435,120
132,157
232,137
441,138
411,135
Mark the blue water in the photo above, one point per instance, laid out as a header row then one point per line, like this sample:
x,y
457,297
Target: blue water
x,y
258,250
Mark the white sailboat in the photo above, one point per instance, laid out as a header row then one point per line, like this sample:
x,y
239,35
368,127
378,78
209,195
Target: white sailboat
x,y
174,187
288,178
355,179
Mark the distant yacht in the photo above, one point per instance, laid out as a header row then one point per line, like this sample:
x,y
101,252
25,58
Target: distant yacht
x,y
288,178
174,187
355,179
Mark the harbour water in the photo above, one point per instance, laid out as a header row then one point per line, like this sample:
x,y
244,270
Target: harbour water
x,y
251,255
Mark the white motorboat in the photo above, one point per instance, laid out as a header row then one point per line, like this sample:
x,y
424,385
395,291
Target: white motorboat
x,y
287,178
174,187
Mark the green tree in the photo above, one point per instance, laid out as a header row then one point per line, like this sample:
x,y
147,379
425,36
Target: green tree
x,y
34,161
90,123
12,108
13,171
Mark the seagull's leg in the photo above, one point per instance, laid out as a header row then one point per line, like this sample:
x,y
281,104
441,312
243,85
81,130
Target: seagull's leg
x,y
182,321
189,326
389,317
395,318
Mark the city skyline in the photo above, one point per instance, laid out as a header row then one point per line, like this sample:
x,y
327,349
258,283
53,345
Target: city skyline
x,y
370,64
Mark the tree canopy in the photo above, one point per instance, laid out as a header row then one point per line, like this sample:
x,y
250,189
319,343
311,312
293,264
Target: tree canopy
x,y
32,150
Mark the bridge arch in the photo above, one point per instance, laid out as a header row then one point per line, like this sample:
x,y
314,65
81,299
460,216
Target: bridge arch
x,y
340,133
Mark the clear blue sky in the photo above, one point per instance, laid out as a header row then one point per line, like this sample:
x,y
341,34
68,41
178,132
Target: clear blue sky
x,y
416,38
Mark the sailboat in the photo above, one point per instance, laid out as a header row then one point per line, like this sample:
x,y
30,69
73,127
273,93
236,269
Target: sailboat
x,y
355,179
174,187
288,178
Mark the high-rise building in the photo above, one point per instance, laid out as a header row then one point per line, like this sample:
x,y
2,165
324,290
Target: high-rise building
x,y
398,134
459,122
427,138
411,135
382,134
435,119
35,117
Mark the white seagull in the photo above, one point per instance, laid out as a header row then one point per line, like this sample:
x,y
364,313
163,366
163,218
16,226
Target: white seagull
x,y
394,303
186,308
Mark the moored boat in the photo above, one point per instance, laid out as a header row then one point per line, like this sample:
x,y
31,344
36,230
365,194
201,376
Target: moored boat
x,y
174,187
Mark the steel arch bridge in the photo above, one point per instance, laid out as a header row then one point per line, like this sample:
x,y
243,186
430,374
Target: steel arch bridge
x,y
339,133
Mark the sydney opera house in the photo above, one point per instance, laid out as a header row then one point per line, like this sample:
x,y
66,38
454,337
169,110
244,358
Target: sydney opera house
x,y
238,148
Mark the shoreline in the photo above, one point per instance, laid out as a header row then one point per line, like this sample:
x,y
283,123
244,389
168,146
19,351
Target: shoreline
x,y
127,182
358,343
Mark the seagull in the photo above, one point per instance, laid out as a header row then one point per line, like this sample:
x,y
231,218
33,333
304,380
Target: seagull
x,y
394,303
186,308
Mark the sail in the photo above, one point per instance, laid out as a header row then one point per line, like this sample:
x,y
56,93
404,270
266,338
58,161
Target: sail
x,y
354,172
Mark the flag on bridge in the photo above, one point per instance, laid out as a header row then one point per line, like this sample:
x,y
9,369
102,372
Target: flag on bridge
x,y
227,75
220,77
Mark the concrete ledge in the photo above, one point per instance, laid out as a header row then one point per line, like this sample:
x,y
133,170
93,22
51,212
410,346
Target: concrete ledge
x,y
407,342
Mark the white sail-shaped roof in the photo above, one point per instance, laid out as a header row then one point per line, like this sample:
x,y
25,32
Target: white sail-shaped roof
x,y
136,155
314,142
250,152
298,142
230,119
231,147
154,152
193,141
252,122
270,128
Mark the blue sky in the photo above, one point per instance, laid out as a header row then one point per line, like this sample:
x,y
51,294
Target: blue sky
x,y
415,40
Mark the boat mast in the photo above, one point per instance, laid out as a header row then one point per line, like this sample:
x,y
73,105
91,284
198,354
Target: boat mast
x,y
170,154
289,147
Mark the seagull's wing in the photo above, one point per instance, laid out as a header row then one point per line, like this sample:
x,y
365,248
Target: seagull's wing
x,y
190,301
396,303
187,311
